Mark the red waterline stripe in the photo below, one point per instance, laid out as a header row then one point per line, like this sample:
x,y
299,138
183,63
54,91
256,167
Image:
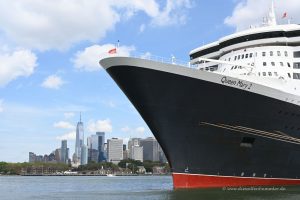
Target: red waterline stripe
x,y
211,181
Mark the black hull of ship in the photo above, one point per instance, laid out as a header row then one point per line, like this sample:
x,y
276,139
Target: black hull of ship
x,y
214,135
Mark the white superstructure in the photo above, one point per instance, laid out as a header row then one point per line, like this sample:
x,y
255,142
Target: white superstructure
x,y
268,55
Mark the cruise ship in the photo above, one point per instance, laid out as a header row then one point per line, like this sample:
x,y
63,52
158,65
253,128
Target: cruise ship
x,y
232,116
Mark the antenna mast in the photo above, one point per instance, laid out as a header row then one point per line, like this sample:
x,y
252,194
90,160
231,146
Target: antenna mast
x,y
272,17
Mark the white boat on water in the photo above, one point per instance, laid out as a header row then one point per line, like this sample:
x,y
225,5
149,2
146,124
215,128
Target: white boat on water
x,y
110,175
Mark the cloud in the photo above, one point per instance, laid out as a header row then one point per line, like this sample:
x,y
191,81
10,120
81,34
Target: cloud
x,y
1,105
53,82
247,13
140,130
69,115
173,13
59,25
99,126
88,59
125,129
64,125
67,136
146,55
16,64
109,103
62,24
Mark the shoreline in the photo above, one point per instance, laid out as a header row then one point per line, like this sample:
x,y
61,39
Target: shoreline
x,y
104,175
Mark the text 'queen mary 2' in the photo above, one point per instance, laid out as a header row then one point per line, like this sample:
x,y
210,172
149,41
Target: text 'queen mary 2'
x,y
230,119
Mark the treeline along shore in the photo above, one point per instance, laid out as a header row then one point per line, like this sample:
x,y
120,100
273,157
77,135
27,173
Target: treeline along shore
x,y
125,167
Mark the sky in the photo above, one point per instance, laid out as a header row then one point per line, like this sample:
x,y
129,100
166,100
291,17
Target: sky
x,y
49,54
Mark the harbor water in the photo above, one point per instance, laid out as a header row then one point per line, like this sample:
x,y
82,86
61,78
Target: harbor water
x,y
134,187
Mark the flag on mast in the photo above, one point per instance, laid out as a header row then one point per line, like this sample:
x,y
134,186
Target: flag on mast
x,y
284,15
112,51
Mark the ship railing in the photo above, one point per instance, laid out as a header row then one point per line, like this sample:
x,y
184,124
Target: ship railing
x,y
171,60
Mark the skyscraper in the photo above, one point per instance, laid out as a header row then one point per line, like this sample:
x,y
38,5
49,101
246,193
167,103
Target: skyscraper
x,y
84,155
101,139
64,152
57,154
133,142
115,150
137,153
150,149
32,157
96,146
79,141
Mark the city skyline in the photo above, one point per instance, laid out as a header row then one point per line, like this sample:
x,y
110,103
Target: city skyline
x,y
133,149
50,71
97,150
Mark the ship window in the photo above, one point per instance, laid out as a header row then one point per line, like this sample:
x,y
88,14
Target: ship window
x,y
234,57
296,65
271,53
235,67
251,54
239,57
296,75
243,56
281,64
288,64
263,53
264,64
258,73
297,54
246,56
286,54
289,75
270,73
264,73
213,68
232,67
278,53
228,59
275,73
273,63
